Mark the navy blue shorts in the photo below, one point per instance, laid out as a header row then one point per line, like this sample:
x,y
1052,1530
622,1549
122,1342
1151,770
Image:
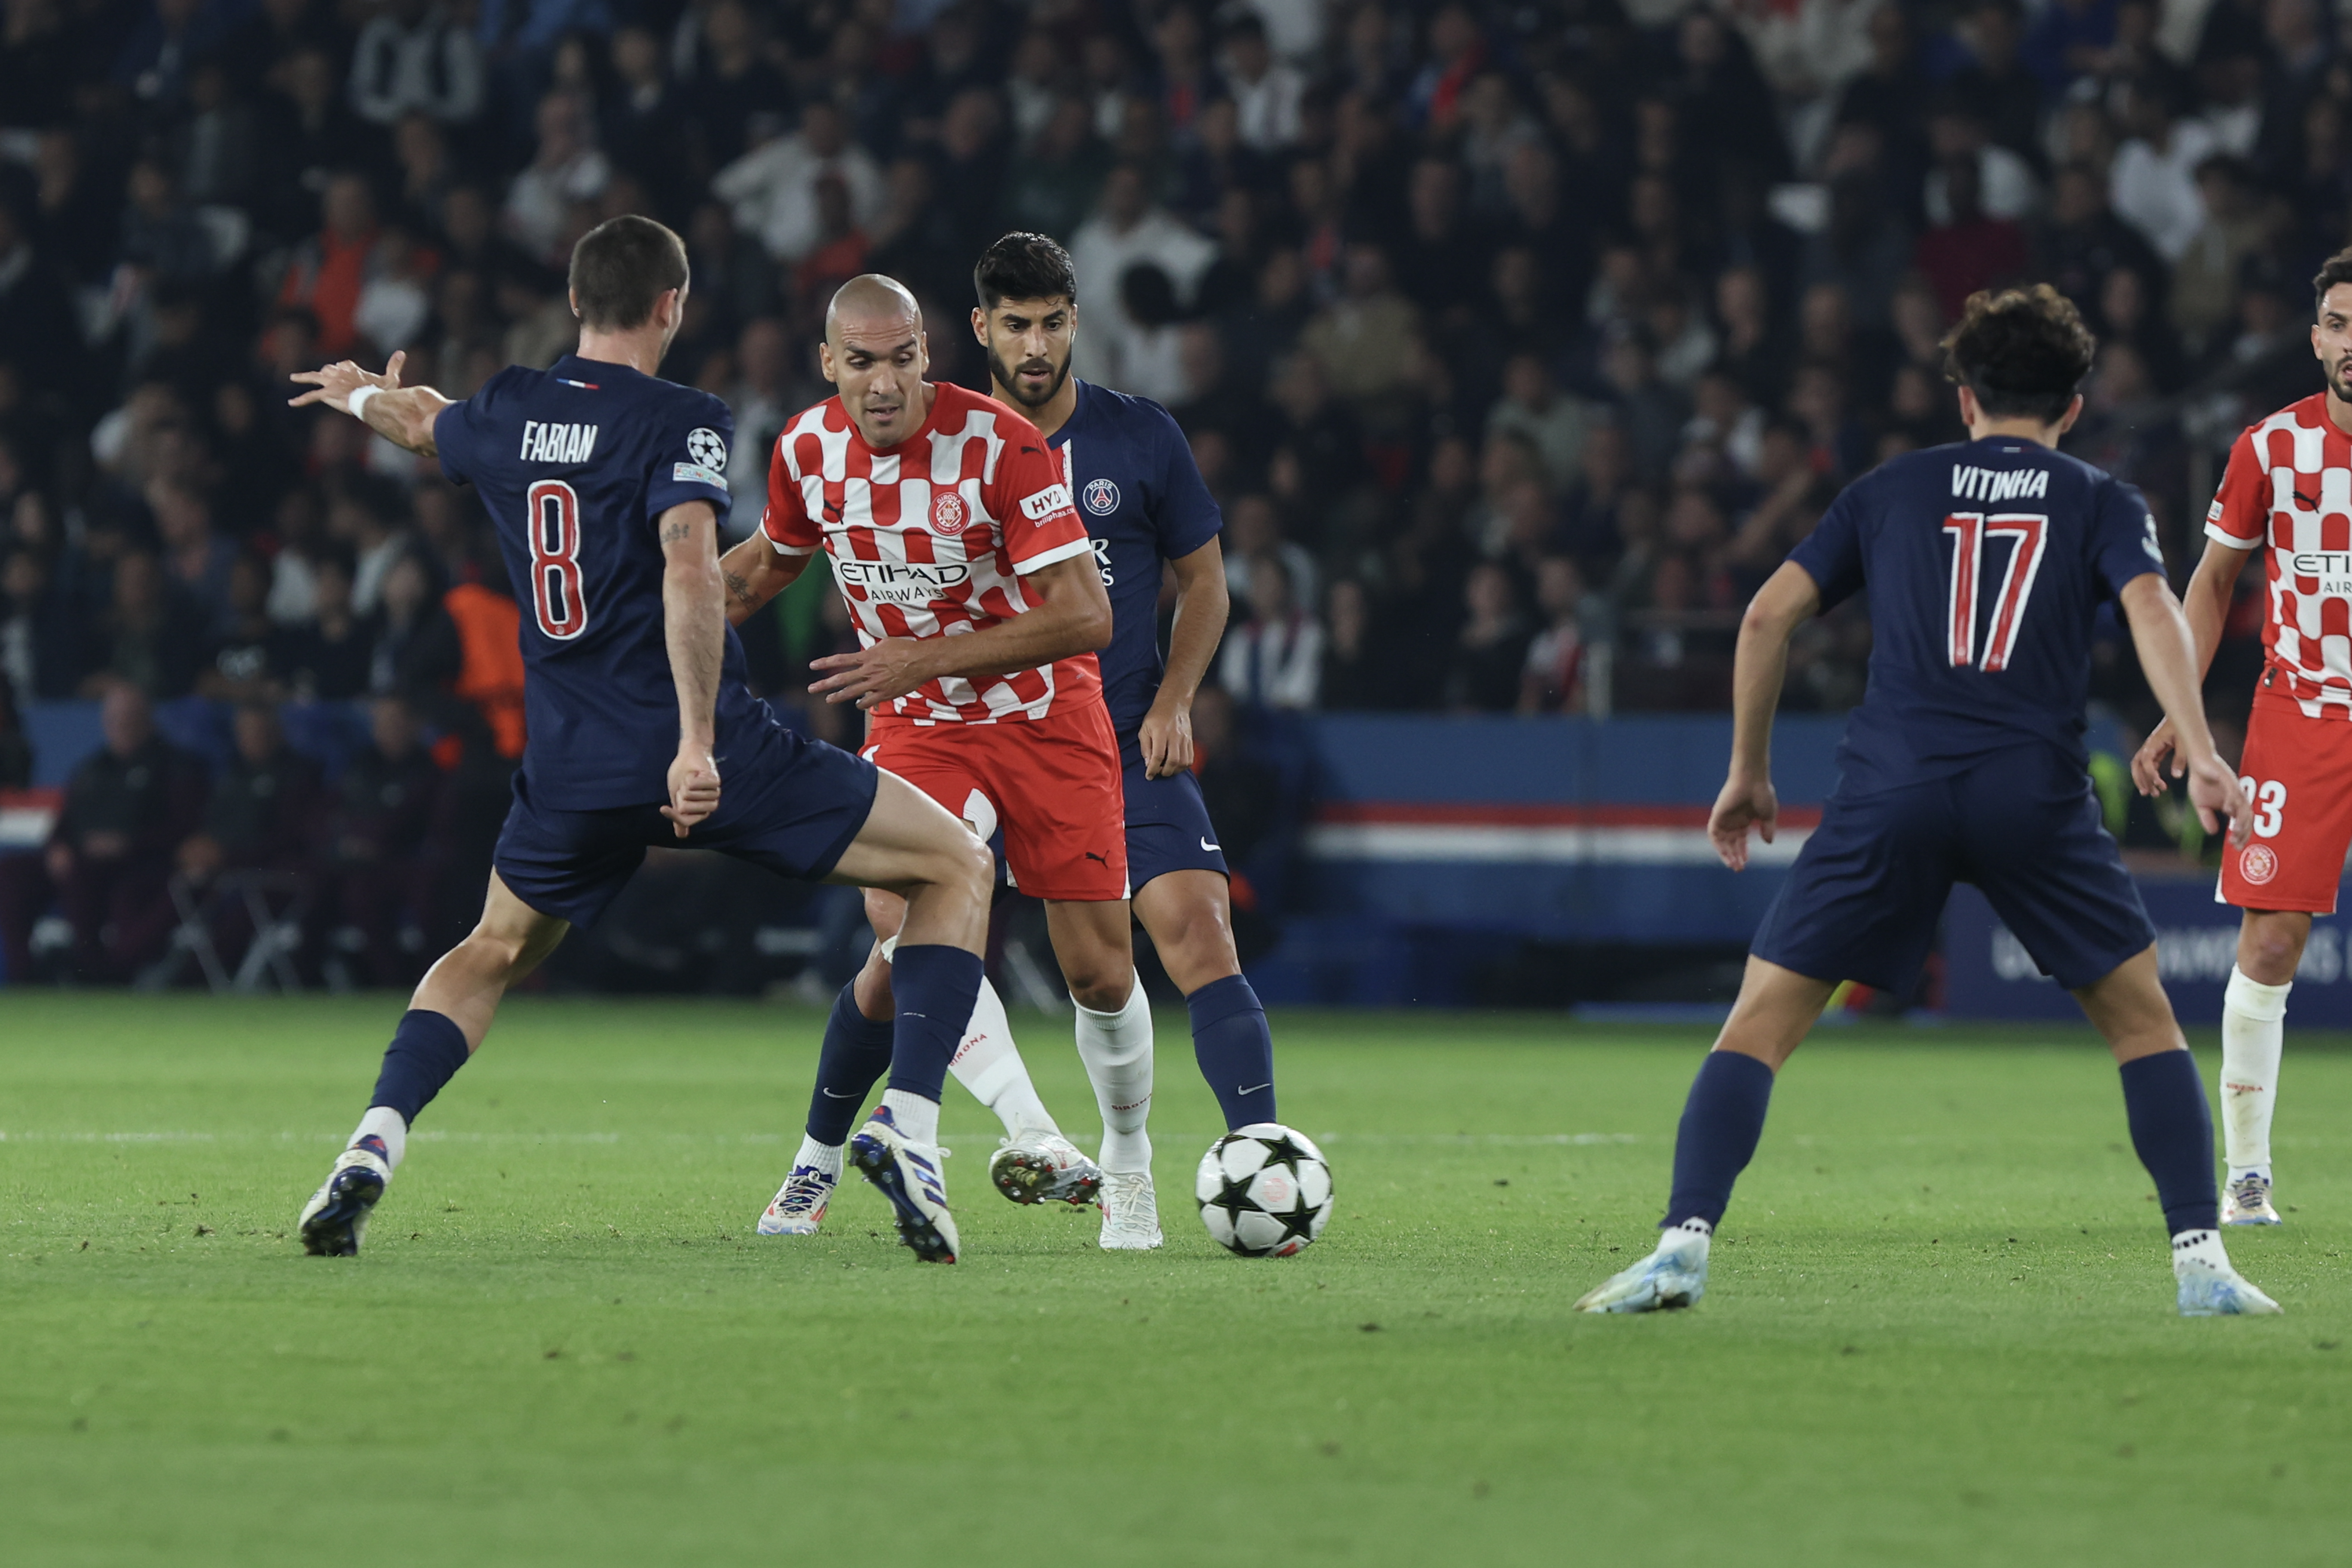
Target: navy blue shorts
x,y
1867,891
790,804
1168,826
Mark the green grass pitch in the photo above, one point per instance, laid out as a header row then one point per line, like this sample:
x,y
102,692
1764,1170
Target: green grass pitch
x,y
1941,1330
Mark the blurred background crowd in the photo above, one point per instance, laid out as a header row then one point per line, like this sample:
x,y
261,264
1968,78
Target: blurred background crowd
x,y
1519,342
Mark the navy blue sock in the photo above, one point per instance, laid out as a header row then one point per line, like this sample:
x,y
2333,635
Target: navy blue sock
x,y
1722,1120
1234,1048
935,986
2172,1131
856,1053
425,1052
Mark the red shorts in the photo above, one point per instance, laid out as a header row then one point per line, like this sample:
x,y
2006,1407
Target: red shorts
x,y
1052,783
2298,776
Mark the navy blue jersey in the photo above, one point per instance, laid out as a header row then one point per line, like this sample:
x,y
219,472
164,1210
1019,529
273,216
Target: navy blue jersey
x,y
573,466
1141,500
1986,563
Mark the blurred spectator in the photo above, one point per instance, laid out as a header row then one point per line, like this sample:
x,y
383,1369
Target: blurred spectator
x,y
376,832
1243,795
330,269
1553,681
416,652
566,170
1274,658
127,808
1126,228
253,658
330,659
152,637
1355,675
1491,653
16,746
261,814
1971,248
1266,93
41,634
771,190
2153,184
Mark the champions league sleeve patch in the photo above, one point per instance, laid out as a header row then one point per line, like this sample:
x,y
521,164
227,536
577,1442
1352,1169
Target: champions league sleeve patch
x,y
695,474
703,445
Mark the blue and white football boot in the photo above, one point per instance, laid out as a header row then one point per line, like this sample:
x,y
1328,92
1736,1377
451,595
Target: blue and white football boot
x,y
798,1207
1673,1276
2246,1200
2210,1293
1045,1168
908,1174
336,1217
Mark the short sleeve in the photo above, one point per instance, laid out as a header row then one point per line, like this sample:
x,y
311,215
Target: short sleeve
x,y
454,429
785,524
1832,553
2240,515
1041,525
1187,517
689,457
2123,539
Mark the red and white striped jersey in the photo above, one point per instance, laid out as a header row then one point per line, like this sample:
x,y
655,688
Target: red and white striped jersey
x,y
931,537
2289,485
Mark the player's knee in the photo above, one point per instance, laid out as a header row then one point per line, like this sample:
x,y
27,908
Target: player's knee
x,y
2275,948
1102,989
967,866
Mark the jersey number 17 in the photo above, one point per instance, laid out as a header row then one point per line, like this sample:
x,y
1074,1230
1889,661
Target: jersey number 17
x,y
2029,533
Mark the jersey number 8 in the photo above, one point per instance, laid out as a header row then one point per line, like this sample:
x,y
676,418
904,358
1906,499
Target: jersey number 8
x,y
556,591
1969,528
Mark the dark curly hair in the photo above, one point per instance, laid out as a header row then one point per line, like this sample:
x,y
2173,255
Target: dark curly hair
x,y
2023,351
1024,267
2337,268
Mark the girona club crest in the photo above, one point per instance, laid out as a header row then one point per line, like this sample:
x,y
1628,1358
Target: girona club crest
x,y
2258,863
949,514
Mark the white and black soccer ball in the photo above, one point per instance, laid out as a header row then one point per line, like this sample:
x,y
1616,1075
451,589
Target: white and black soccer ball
x,y
1264,1191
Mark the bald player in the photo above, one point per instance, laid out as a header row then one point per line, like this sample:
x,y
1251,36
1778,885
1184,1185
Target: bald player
x,y
979,607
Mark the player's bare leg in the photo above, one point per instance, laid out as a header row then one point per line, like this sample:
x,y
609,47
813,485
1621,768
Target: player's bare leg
x,y
2254,1015
1189,916
2172,1131
446,1020
1095,942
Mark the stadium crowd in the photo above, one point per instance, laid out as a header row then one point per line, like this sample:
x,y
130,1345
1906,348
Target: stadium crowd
x,y
1518,342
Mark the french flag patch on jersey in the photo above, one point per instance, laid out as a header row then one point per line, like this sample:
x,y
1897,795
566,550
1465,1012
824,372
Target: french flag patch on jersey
x,y
582,385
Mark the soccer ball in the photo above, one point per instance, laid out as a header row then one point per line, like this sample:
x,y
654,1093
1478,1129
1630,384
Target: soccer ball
x,y
1264,1190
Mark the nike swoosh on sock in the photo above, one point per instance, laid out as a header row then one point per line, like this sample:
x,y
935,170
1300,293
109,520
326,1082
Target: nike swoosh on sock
x,y
1254,1090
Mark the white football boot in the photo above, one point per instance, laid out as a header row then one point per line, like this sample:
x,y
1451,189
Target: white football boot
x,y
908,1173
799,1206
1045,1167
2247,1201
1673,1275
1131,1214
2210,1293
336,1217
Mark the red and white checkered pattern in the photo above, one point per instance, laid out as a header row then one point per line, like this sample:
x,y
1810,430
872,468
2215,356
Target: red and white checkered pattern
x,y
2289,485
931,537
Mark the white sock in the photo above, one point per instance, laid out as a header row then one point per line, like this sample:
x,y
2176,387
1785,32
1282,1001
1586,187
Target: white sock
x,y
1116,1050
825,1157
2192,1247
918,1118
2252,1036
989,1064
383,1121
1688,1239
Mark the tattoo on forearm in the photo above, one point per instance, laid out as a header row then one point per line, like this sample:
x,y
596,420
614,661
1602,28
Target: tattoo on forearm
x,y
739,587
676,531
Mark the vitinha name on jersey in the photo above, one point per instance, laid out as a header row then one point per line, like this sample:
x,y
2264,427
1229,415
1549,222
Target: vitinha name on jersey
x,y
546,443
1999,484
903,582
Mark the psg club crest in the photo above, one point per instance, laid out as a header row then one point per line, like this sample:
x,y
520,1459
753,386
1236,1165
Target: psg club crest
x,y
2258,863
705,448
1101,497
949,514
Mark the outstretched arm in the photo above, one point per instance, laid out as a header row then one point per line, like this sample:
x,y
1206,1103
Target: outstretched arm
x,y
2206,609
1068,615
2168,658
1789,598
1202,604
755,572
694,623
401,414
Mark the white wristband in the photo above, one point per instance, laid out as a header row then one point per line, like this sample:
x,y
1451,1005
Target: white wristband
x,y
358,401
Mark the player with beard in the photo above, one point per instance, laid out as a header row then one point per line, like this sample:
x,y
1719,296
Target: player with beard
x,y
2288,485
978,605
